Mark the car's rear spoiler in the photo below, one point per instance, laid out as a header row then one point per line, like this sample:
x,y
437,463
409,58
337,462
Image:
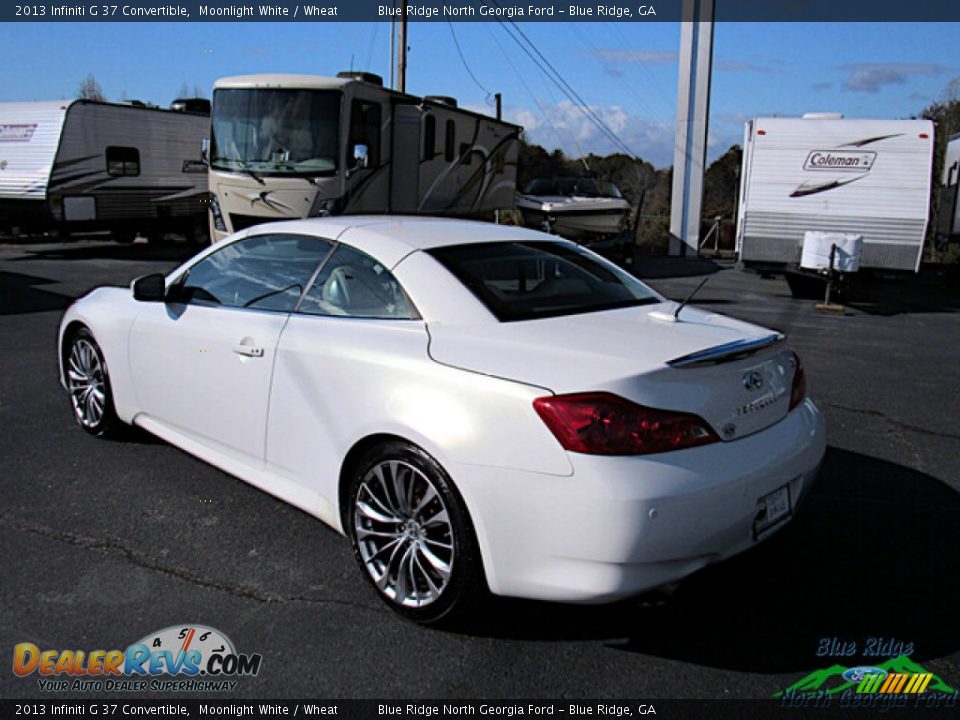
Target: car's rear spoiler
x,y
727,352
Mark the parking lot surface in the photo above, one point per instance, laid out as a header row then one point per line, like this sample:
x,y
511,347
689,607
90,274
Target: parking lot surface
x,y
103,542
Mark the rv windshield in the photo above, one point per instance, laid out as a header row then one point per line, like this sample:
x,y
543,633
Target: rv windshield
x,y
275,132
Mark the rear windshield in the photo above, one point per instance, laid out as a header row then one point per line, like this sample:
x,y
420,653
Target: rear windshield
x,y
526,280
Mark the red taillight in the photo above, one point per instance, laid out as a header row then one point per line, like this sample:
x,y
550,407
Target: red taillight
x,y
599,423
798,391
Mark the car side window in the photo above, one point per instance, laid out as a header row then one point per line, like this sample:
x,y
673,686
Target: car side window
x,y
353,284
264,272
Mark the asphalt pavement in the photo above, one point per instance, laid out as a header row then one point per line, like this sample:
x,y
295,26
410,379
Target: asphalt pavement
x,y
103,542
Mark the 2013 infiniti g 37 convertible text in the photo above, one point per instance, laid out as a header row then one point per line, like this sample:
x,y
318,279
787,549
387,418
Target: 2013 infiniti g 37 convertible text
x,y
474,406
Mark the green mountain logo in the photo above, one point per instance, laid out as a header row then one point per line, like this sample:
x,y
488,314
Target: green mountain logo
x,y
830,681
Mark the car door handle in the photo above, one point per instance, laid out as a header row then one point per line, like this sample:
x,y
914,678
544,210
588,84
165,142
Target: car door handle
x,y
248,350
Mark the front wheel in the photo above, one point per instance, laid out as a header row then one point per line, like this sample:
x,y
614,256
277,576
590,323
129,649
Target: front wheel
x,y
412,535
88,383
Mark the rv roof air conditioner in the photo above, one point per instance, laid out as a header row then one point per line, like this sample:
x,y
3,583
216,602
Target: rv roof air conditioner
x,y
367,77
441,100
823,116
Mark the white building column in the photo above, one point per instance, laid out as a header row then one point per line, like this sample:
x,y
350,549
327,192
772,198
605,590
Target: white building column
x,y
693,108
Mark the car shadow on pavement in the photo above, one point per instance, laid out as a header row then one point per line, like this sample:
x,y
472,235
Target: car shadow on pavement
x,y
110,251
874,553
934,289
648,267
20,294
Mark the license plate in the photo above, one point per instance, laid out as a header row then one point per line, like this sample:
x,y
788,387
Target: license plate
x,y
772,510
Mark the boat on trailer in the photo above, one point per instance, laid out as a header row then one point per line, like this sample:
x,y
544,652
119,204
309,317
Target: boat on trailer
x,y
573,207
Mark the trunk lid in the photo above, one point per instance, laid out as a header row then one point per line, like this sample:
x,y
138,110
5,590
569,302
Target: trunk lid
x,y
739,391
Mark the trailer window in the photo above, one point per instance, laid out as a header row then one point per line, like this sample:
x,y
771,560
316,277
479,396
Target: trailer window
x,y
365,130
123,161
450,141
429,137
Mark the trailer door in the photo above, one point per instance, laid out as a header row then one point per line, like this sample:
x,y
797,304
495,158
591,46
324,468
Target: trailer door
x,y
405,165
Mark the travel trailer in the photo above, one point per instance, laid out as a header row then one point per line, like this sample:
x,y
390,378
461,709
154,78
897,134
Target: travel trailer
x,y
80,166
294,146
826,174
948,217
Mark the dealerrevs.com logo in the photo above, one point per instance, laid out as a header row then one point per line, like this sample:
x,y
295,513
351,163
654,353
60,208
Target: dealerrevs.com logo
x,y
177,658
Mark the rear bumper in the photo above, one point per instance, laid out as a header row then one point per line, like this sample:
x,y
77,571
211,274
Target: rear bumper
x,y
623,525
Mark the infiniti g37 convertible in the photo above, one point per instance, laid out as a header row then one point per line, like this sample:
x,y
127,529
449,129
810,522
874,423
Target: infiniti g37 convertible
x,y
475,406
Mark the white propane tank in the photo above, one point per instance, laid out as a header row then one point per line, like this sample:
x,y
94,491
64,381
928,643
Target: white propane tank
x,y
816,251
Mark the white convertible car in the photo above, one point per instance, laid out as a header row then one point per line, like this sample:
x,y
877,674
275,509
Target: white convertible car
x,y
475,406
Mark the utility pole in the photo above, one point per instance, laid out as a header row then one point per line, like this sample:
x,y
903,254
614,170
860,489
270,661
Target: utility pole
x,y
393,42
402,50
693,108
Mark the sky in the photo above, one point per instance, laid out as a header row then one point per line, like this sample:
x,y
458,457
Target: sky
x,y
625,72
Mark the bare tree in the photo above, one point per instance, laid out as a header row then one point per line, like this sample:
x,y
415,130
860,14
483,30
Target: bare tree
x,y
90,89
199,92
184,91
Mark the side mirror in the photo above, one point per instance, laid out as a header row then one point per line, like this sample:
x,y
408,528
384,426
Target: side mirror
x,y
205,151
150,288
361,156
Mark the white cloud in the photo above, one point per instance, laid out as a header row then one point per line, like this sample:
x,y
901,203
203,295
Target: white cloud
x,y
669,57
560,125
647,57
739,66
870,77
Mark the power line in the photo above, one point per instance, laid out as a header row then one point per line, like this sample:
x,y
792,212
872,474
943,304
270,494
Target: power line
x,y
564,86
464,61
560,141
373,41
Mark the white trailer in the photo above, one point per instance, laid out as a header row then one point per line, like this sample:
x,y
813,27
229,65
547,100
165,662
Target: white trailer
x,y
825,173
79,165
948,216
294,146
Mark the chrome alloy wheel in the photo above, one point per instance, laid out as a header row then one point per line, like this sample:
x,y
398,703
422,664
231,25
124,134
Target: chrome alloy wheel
x,y
86,382
404,533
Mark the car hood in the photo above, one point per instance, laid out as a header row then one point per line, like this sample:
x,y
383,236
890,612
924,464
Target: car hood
x,y
627,352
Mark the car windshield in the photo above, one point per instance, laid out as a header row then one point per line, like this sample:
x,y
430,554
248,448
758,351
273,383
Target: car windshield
x,y
528,280
585,187
275,132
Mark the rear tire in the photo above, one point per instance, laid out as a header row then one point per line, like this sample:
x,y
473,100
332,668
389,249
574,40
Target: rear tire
x,y
412,535
88,383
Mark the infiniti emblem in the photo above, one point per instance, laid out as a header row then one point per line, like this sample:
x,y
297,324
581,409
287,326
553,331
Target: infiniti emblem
x,y
752,380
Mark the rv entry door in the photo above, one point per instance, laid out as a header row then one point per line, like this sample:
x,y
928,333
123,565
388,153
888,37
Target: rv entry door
x,y
405,166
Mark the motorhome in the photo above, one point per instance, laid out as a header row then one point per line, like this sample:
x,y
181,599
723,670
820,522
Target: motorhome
x,y
824,173
80,165
293,146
